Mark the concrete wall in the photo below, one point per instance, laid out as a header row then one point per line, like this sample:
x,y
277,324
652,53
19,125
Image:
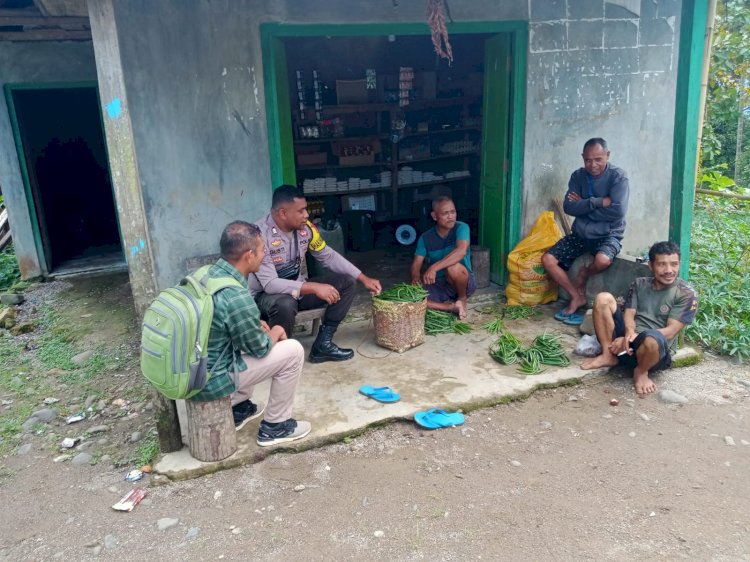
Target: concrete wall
x,y
605,69
32,63
194,78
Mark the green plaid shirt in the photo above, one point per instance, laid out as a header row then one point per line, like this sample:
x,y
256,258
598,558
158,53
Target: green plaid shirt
x,y
236,321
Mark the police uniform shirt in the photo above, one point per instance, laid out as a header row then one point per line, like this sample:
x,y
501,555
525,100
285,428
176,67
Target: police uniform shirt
x,y
283,256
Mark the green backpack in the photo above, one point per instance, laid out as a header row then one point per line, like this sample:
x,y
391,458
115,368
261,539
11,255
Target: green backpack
x,y
174,337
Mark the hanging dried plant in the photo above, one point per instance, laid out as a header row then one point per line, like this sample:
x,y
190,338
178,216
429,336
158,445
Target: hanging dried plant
x,y
437,13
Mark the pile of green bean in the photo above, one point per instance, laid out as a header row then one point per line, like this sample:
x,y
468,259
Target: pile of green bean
x,y
530,361
494,326
438,322
519,312
404,292
552,352
545,350
505,349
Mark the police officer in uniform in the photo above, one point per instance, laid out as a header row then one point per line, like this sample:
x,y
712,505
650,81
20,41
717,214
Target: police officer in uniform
x,y
281,291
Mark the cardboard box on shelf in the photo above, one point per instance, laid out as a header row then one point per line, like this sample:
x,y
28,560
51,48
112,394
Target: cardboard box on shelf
x,y
357,160
356,153
312,159
351,92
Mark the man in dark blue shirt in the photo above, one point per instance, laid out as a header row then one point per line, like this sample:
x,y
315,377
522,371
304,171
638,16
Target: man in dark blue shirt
x,y
445,248
598,199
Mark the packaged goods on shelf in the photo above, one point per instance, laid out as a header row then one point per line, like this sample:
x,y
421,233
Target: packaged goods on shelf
x,y
358,202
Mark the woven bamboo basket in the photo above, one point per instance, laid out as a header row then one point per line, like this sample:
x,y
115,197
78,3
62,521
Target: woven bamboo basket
x,y
398,325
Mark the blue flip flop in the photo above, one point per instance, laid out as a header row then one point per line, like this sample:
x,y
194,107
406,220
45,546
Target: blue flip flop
x,y
562,316
434,418
383,394
574,319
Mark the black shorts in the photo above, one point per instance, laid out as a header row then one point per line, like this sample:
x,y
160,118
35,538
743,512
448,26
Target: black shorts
x,y
442,291
571,246
630,361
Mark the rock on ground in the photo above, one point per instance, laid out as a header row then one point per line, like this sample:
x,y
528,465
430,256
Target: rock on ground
x,y
110,541
82,357
166,523
46,415
671,397
81,459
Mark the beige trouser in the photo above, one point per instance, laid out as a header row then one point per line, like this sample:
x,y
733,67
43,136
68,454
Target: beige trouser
x,y
283,365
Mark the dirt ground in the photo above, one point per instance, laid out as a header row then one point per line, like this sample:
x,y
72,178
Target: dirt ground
x,y
561,476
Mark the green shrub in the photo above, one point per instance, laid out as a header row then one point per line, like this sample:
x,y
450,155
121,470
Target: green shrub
x,y
9,272
719,262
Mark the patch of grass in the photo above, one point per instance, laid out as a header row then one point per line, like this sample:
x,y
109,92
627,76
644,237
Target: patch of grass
x,y
688,360
147,451
10,350
720,259
9,272
138,392
11,425
21,286
54,353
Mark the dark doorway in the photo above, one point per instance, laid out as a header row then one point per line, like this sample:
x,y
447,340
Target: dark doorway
x,y
68,177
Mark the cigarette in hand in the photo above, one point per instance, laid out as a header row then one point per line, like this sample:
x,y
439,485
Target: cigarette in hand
x,y
624,352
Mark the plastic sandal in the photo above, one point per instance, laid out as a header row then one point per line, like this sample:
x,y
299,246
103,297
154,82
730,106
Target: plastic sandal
x,y
434,418
562,316
574,319
383,394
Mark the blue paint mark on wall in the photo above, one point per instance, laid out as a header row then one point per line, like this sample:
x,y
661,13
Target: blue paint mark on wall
x,y
137,248
114,108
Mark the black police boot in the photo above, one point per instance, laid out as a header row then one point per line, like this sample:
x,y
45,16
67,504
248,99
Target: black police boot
x,y
323,349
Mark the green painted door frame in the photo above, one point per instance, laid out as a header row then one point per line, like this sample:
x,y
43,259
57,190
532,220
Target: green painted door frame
x,y
280,141
41,245
493,183
687,113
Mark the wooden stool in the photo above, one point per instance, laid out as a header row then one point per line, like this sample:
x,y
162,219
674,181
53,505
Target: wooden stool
x,y
314,314
211,433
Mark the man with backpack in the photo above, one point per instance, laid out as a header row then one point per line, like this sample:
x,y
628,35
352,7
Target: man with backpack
x,y
256,352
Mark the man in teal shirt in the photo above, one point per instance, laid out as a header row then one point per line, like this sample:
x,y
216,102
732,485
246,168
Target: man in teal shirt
x,y
448,278
256,351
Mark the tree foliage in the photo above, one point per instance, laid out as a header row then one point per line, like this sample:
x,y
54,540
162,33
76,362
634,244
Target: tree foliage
x,y
728,89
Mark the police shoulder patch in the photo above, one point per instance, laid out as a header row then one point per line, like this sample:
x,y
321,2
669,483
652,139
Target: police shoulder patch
x,y
316,242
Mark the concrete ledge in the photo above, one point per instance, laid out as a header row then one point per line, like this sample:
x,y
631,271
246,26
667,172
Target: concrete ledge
x,y
448,371
687,356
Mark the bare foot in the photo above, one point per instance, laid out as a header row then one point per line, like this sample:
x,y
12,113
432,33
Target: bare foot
x,y
599,361
576,302
459,309
643,384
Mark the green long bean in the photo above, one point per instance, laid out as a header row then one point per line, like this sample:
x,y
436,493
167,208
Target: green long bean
x,y
439,322
494,326
545,350
404,292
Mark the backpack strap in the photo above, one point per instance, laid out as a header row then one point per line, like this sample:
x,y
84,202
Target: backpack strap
x,y
213,285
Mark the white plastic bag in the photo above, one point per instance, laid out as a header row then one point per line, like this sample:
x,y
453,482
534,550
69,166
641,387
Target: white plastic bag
x,y
588,346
